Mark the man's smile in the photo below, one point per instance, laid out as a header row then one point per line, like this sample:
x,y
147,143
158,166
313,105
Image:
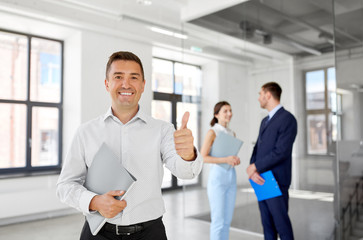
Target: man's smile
x,y
126,94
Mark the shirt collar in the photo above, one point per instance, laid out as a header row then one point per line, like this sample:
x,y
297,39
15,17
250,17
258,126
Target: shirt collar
x,y
139,115
273,111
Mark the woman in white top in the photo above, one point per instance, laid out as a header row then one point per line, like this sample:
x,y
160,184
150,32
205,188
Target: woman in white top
x,y
222,181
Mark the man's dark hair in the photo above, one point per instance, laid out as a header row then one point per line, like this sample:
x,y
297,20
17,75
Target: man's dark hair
x,y
124,56
274,89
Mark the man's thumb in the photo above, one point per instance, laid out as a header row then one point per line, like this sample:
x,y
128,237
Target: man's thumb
x,y
185,120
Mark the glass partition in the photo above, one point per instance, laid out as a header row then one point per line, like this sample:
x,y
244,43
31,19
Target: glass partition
x,y
303,30
349,72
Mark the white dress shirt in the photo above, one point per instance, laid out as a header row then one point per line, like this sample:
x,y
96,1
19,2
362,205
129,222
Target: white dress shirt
x,y
143,146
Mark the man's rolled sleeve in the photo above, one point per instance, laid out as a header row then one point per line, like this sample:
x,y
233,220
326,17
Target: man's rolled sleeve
x,y
85,201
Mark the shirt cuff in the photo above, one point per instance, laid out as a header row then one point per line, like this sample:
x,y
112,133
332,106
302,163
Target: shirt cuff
x,y
85,201
191,168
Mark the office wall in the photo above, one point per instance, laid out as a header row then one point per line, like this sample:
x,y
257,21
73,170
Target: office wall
x,y
210,96
224,81
349,75
234,88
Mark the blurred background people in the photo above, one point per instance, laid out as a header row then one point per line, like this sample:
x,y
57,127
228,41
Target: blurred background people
x,y
222,180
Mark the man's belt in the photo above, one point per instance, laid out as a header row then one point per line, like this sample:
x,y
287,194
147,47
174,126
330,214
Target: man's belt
x,y
130,229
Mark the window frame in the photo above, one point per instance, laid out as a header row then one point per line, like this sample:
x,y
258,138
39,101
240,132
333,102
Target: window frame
x,y
28,169
326,111
174,99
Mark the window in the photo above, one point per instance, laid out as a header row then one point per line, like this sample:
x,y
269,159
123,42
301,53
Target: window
x,y
30,103
176,88
323,109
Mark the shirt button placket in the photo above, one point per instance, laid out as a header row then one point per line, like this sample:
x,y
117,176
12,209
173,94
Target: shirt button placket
x,y
124,145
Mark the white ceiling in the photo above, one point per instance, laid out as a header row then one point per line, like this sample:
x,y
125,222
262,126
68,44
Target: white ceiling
x,y
129,19
212,26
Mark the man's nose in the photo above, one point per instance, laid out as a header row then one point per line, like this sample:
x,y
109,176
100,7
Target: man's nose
x,y
125,82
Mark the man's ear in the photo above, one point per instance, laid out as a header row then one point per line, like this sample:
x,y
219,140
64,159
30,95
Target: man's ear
x,y
106,85
143,86
268,95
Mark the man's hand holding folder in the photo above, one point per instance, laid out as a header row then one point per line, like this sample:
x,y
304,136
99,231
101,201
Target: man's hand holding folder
x,y
108,204
110,181
267,187
254,175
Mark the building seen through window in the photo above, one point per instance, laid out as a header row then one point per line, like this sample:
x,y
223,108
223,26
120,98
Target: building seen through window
x,y
323,111
30,103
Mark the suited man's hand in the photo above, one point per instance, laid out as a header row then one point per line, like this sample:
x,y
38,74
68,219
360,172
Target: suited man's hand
x,y
256,177
251,169
107,205
183,139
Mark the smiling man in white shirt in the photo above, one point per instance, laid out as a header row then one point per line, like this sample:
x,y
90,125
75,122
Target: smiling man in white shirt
x,y
143,145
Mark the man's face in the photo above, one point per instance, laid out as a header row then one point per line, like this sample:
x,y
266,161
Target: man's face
x,y
263,98
125,84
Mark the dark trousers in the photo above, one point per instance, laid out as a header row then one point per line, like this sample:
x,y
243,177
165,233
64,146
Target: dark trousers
x,y
153,232
275,218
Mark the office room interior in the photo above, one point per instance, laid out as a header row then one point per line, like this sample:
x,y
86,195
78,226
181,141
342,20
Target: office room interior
x,y
195,53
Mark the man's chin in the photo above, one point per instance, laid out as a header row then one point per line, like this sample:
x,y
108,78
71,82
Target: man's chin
x,y
124,105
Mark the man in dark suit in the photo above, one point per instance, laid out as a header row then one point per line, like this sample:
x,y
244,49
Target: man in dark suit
x,y
273,152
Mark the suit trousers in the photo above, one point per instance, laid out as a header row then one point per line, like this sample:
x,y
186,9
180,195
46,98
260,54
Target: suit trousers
x,y
275,218
153,232
222,189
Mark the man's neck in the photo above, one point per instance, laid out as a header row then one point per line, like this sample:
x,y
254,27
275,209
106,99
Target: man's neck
x,y
272,105
124,114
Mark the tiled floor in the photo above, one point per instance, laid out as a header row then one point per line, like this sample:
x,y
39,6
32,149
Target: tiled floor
x,y
180,225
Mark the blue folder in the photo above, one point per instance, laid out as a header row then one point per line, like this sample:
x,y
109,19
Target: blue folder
x,y
225,145
269,189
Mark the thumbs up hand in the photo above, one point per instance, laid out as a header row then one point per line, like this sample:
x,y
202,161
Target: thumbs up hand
x,y
183,139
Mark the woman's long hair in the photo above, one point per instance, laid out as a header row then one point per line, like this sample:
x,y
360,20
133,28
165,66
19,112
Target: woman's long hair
x,y
217,108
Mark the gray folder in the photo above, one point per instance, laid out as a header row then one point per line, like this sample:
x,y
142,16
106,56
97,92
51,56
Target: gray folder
x,y
225,145
106,173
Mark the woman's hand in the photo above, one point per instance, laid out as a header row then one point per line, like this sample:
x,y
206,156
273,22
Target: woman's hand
x,y
233,160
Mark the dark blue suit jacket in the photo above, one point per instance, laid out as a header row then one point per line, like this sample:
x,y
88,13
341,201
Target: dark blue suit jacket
x,y
274,146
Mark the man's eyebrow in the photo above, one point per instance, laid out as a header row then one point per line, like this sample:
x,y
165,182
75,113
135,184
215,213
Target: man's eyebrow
x,y
118,73
122,73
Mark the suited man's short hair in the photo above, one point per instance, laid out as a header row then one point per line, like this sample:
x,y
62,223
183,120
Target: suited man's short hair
x,y
274,89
